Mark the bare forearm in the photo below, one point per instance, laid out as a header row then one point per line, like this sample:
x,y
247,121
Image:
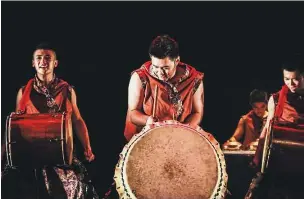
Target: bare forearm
x,y
194,119
238,135
82,133
239,131
138,118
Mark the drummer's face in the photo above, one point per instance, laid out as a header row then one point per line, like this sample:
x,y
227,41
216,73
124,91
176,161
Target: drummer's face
x,y
259,108
165,68
44,61
293,80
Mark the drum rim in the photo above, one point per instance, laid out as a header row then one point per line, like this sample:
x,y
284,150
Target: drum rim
x,y
122,185
8,143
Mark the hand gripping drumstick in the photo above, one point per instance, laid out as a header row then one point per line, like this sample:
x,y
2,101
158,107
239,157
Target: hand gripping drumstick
x,y
155,101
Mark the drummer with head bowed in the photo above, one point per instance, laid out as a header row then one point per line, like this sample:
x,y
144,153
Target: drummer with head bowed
x,y
164,88
46,93
250,125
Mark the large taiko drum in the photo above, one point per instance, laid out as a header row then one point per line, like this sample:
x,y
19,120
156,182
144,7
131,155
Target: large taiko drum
x,y
35,140
170,160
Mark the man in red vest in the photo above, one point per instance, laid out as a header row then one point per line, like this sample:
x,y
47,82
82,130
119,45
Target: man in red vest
x,y
286,123
46,93
250,125
180,89
180,94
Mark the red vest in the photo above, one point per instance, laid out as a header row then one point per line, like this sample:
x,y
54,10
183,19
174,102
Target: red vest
x,y
186,88
61,99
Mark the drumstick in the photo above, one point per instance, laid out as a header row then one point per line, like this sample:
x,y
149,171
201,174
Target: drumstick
x,y
266,152
155,101
173,115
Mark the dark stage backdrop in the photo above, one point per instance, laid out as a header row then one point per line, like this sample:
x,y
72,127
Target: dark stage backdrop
x,y
238,45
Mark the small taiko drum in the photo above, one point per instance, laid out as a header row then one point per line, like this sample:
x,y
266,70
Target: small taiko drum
x,y
170,160
35,140
286,150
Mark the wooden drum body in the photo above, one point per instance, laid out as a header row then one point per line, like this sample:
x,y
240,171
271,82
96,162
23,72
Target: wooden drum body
x,y
170,160
35,140
286,150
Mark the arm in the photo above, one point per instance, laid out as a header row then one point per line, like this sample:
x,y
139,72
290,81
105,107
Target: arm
x,y
271,109
195,118
239,131
19,96
135,101
81,129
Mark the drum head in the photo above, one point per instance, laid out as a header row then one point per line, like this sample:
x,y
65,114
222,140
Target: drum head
x,y
172,161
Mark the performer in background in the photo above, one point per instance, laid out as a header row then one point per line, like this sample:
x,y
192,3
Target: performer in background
x,y
46,93
286,110
250,125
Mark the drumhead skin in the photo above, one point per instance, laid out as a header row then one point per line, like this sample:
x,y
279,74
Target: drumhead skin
x,y
170,160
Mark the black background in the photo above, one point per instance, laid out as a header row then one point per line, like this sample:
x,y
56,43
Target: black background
x,y
238,45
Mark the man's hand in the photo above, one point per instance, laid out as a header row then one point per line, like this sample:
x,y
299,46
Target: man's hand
x,y
151,120
232,143
89,156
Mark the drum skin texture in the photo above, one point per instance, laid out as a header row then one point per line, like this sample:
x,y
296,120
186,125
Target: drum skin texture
x,y
35,140
170,160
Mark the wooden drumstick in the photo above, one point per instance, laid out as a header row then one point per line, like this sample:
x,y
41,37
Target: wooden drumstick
x,y
155,101
173,115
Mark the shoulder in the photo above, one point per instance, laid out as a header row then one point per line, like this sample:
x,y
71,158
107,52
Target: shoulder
x,y
69,89
20,93
136,82
193,71
21,89
62,82
247,116
140,74
195,75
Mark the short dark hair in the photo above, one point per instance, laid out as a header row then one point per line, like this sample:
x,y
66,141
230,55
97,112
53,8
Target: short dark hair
x,y
164,46
294,64
258,96
46,46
